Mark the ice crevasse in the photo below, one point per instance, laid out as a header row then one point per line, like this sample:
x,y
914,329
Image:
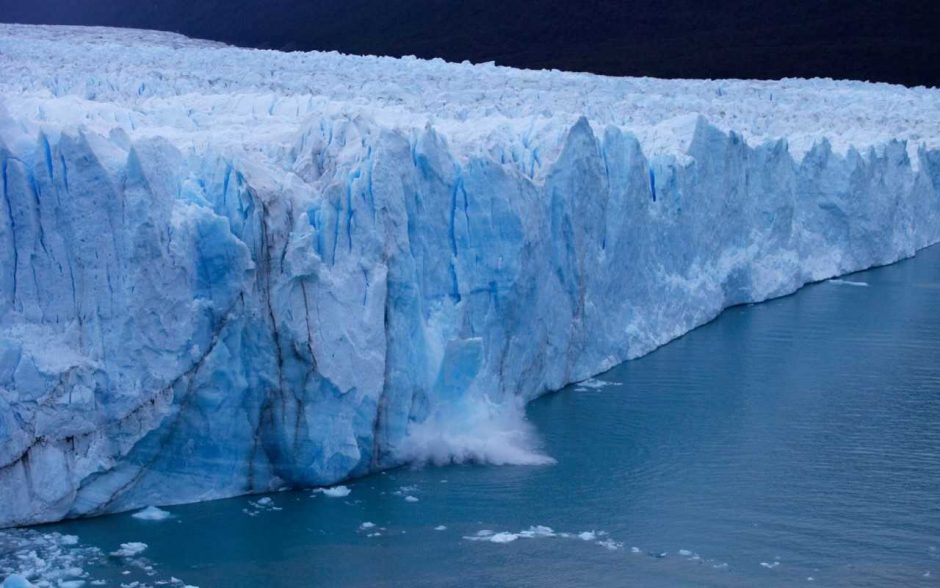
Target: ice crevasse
x,y
226,271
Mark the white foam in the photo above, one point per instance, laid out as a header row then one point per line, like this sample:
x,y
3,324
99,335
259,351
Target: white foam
x,y
478,431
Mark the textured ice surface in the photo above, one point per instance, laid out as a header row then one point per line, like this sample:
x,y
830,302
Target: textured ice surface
x,y
226,271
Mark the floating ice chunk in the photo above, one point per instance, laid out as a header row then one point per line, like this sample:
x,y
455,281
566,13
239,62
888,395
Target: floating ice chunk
x,y
264,504
17,581
440,528
411,498
335,491
503,537
840,282
537,531
152,513
130,549
769,566
635,550
592,384
587,536
71,583
366,525
610,544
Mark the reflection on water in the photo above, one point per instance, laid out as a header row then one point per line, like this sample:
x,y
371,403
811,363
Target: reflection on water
x,y
793,442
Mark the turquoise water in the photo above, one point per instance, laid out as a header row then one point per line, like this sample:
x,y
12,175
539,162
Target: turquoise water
x,y
785,441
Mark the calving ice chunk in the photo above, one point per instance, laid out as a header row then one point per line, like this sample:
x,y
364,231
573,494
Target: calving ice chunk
x,y
229,271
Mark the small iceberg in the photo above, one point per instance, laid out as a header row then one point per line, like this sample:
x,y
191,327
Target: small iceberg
x,y
152,513
334,492
839,282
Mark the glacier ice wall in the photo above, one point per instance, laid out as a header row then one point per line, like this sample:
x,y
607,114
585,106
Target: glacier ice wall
x,y
183,320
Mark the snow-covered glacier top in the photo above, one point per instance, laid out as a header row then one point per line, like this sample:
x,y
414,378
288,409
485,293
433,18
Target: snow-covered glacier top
x,y
154,83
226,271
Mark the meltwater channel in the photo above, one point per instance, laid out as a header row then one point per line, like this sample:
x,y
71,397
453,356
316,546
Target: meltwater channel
x,y
795,442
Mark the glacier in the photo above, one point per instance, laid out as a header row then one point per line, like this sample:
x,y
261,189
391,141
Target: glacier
x,y
226,271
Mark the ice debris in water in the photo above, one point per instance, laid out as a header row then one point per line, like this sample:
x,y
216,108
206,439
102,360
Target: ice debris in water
x,y
29,557
592,384
264,504
366,525
130,549
411,498
334,492
440,528
541,531
840,282
151,513
503,537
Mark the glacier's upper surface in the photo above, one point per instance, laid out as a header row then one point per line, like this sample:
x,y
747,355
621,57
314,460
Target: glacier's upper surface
x,y
227,270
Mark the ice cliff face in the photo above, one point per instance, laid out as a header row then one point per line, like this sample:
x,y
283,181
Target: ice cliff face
x,y
225,271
